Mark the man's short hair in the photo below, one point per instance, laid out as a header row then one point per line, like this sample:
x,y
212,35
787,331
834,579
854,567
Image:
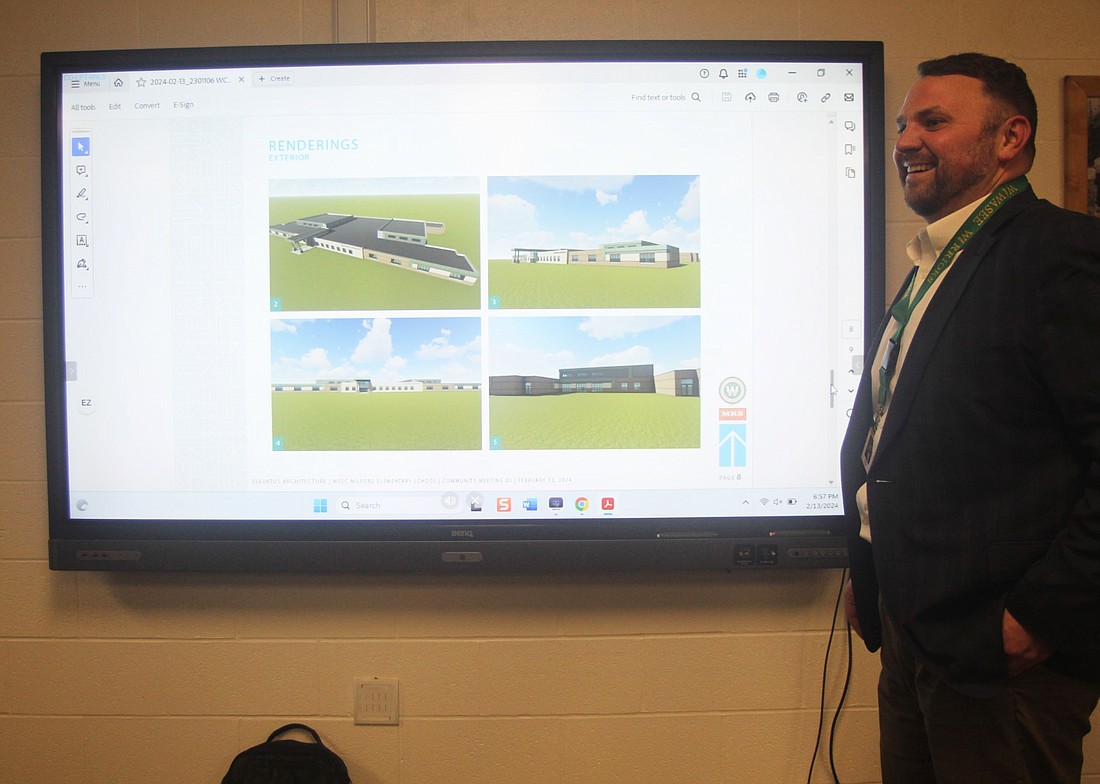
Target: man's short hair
x,y
1005,82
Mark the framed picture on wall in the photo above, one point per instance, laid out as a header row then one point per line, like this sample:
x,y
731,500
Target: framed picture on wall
x,y
1082,143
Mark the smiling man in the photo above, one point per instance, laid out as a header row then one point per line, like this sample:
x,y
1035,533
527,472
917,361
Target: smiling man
x,y
972,460
949,150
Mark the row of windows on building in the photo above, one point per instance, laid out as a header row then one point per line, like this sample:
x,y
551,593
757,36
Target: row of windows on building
x,y
644,258
393,260
596,386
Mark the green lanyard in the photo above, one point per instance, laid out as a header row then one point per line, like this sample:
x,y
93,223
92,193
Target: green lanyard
x,y
904,307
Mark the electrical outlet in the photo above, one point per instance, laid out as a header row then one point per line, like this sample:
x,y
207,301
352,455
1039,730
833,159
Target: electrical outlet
x,y
376,701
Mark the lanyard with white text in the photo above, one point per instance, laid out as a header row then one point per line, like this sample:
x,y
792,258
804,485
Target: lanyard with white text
x,y
904,307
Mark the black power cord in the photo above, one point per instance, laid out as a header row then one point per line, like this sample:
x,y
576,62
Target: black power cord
x,y
824,681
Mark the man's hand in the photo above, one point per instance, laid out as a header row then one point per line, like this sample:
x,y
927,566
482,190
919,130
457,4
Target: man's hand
x,y
1023,650
850,609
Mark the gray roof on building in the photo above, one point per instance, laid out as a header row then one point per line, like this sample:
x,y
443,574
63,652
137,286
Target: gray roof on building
x,y
363,233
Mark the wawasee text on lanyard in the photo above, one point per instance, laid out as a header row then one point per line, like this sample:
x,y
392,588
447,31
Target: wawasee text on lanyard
x,y
903,309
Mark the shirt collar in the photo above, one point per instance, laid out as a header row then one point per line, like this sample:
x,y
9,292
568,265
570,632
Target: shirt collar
x,y
924,248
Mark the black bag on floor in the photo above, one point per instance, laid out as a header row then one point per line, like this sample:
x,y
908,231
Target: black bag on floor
x,y
288,762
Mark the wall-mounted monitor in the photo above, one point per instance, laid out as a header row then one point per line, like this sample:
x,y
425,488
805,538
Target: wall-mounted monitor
x,y
457,306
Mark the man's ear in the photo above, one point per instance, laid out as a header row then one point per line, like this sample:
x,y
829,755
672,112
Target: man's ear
x,y
1013,136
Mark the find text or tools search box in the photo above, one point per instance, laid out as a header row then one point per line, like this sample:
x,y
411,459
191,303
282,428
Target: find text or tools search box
x,y
667,97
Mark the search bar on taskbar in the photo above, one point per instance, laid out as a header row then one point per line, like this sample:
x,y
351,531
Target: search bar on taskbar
x,y
382,505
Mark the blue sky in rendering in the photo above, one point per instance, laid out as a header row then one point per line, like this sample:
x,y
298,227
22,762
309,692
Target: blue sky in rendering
x,y
381,349
541,346
587,211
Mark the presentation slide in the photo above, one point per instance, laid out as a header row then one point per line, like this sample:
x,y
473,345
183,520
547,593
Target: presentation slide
x,y
483,290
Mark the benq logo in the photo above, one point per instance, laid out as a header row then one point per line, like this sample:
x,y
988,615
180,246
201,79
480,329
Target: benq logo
x,y
462,533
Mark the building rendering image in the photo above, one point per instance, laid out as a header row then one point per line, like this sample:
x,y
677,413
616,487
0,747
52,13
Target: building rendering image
x,y
599,407
376,384
639,253
365,385
631,379
395,241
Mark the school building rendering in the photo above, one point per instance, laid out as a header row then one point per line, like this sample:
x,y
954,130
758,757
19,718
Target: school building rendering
x,y
633,379
398,242
364,385
637,253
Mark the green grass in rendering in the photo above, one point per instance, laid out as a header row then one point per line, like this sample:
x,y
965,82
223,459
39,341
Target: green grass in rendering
x,y
595,421
578,286
378,421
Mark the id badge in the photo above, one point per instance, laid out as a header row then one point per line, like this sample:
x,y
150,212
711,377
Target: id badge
x,y
869,444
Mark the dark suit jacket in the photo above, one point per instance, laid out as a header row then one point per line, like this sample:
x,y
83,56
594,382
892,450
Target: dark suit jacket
x,y
985,489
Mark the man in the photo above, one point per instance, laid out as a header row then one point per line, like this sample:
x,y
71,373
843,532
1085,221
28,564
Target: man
x,y
972,460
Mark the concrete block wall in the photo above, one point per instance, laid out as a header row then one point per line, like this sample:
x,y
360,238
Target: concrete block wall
x,y
593,679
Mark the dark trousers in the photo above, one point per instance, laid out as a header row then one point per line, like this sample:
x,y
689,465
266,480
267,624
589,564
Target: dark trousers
x,y
930,733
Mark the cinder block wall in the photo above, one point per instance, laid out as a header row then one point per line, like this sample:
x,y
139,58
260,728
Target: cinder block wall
x,y
587,679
